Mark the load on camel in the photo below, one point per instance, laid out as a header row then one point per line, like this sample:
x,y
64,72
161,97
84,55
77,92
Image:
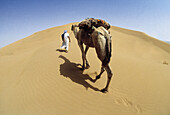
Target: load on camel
x,y
89,22
95,34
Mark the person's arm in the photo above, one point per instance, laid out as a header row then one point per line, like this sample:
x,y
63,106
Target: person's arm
x,y
63,37
69,38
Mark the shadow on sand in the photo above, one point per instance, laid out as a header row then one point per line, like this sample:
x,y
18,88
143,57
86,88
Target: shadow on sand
x,y
61,50
72,71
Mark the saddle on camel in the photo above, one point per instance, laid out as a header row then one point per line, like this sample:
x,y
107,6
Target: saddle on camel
x,y
88,24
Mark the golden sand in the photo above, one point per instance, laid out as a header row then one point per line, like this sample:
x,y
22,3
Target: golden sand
x,y
37,78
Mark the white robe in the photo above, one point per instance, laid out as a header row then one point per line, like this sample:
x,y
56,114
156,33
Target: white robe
x,y
66,43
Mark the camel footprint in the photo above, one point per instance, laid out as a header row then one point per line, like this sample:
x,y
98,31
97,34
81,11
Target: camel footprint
x,y
138,109
127,103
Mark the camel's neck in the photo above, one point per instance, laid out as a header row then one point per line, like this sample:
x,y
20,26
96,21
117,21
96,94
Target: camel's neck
x,y
75,31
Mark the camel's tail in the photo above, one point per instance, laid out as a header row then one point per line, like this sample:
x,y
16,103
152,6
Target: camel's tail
x,y
108,48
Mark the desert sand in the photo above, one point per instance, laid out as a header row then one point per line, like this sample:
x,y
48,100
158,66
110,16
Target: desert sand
x,y
38,78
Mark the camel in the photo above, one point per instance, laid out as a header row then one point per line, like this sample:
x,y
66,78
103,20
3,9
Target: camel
x,y
100,39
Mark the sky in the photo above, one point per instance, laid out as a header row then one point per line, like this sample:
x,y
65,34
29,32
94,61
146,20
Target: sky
x,y
21,18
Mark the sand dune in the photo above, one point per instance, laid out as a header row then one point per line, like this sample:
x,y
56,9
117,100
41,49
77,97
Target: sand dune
x,y
38,78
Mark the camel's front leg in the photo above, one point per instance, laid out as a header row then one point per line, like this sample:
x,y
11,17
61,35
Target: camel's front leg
x,y
87,64
83,56
98,76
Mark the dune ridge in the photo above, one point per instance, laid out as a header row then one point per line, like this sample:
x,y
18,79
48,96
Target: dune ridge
x,y
37,77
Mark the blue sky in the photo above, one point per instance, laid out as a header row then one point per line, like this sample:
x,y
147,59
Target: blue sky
x,y
21,18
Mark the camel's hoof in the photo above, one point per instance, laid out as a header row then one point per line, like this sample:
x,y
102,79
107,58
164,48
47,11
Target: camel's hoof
x,y
93,80
82,69
97,77
104,90
87,67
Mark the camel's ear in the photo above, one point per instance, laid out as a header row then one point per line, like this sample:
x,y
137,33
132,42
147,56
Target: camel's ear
x,y
72,27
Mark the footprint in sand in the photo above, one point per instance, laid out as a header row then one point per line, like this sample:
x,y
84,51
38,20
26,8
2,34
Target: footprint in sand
x,y
127,103
124,101
138,109
164,62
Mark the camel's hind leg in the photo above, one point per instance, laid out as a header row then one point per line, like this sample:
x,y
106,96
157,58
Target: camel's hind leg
x,y
109,74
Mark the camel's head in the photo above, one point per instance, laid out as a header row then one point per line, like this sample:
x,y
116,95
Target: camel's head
x,y
73,27
84,24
